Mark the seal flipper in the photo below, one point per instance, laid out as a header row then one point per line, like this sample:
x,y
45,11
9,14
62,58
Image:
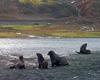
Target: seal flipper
x,y
78,52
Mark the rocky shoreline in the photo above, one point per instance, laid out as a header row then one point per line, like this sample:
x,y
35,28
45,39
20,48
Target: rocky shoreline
x,y
82,67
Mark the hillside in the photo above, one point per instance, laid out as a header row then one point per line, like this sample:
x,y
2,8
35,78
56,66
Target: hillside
x,y
27,9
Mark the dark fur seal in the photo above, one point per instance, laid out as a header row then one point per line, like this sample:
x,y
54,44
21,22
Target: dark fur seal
x,y
56,60
43,64
83,49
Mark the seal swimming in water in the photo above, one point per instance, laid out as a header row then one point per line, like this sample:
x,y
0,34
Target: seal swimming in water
x,y
20,64
43,64
56,60
83,49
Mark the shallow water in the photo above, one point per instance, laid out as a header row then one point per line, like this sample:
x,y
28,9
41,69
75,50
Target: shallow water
x,y
82,67
29,47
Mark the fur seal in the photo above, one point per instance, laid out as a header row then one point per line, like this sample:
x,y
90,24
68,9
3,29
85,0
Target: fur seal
x,y
42,63
56,60
83,49
20,64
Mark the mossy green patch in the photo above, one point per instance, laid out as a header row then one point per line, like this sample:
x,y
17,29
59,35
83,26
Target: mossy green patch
x,y
46,30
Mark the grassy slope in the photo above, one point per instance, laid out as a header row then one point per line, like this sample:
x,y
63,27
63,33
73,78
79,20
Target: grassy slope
x,y
45,30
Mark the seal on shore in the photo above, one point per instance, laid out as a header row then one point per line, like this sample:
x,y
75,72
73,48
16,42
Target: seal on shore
x,y
42,63
56,60
83,49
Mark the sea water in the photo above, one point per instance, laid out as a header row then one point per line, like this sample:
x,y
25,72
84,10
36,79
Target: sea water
x,y
29,47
